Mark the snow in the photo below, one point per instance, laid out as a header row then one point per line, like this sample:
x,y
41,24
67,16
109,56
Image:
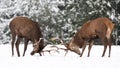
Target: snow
x,y
58,60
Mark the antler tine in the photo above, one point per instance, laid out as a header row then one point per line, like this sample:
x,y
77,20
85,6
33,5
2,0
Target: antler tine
x,y
40,39
57,48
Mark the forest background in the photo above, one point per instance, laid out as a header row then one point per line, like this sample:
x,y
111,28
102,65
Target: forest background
x,y
59,19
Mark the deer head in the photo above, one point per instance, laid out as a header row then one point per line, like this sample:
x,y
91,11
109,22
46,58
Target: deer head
x,y
75,44
38,46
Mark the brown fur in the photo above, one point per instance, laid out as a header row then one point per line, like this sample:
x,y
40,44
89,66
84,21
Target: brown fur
x,y
22,27
99,28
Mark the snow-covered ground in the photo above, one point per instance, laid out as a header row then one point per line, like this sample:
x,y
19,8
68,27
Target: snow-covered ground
x,y
58,60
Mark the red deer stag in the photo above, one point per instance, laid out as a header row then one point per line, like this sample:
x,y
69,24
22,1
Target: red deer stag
x,y
22,27
99,28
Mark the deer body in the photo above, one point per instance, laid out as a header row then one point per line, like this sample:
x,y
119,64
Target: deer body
x,y
22,27
99,28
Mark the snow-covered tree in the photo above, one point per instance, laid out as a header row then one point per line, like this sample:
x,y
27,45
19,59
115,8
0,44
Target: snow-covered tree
x,y
57,18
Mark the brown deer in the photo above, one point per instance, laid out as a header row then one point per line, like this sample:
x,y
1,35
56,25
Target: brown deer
x,y
99,28
22,27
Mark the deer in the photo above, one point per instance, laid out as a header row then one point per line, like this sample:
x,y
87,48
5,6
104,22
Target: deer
x,y
23,27
100,28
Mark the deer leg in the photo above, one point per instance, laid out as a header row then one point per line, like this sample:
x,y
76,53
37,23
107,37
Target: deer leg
x,y
109,43
40,54
17,46
12,43
109,50
105,47
84,46
25,46
89,48
105,42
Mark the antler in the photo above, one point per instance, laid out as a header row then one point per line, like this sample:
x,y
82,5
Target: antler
x,y
55,49
37,42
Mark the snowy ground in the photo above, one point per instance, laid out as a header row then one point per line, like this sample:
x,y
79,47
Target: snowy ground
x,y
55,60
